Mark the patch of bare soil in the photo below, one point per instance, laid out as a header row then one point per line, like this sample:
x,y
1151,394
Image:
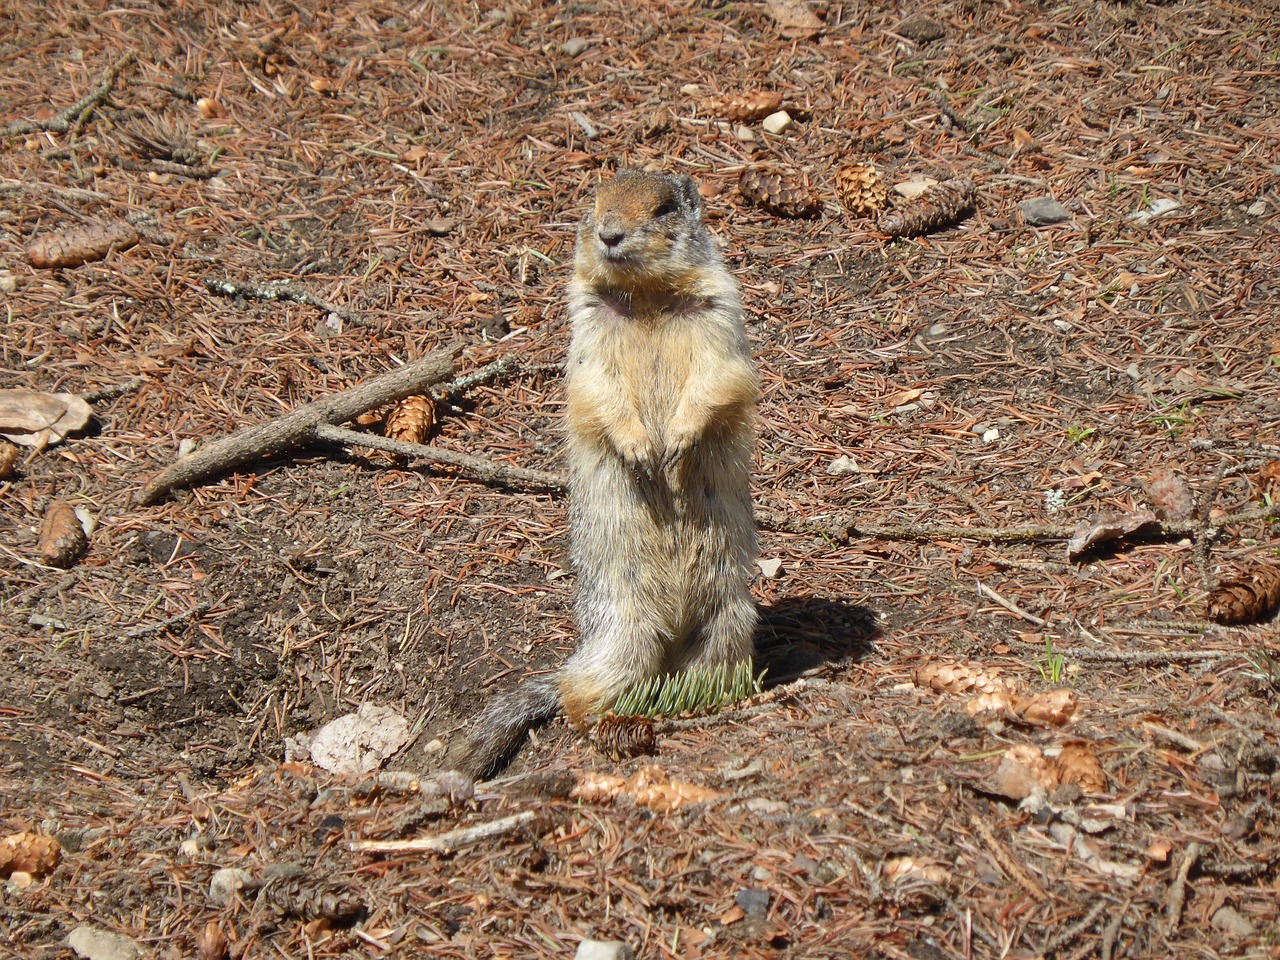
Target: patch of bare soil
x,y
938,415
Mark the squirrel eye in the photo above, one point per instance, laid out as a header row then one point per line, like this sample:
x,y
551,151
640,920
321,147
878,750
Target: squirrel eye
x,y
664,208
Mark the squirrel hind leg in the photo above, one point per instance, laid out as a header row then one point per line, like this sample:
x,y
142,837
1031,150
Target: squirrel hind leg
x,y
499,731
725,638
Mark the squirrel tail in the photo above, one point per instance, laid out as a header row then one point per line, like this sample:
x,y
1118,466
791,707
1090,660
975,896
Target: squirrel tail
x,y
499,731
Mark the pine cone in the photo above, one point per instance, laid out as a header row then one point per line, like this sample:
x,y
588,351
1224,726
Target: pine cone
x,y
411,419
748,107
861,190
943,206
619,737
1248,599
782,194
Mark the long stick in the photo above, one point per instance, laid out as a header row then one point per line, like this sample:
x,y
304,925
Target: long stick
x,y
298,428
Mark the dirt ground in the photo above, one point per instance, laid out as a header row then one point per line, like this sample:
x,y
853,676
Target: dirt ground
x,y
938,413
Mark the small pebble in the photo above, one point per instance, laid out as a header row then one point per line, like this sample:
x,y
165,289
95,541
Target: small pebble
x,y
842,467
776,123
770,567
603,950
1042,211
8,283
743,133
1256,209
226,883
755,903
575,46
96,944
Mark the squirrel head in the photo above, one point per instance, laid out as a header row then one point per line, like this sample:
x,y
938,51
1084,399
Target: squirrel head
x,y
645,232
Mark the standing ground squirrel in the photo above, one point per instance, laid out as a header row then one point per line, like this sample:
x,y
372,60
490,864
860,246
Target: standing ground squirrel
x,y
660,423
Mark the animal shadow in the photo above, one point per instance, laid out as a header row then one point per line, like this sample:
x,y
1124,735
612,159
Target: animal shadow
x,y
797,634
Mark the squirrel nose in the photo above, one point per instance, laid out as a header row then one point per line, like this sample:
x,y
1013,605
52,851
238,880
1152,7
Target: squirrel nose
x,y
611,236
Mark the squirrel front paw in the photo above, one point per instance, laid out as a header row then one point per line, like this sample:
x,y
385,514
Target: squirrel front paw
x,y
638,453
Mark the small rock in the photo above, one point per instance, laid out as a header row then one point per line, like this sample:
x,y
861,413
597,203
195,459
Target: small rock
x,y
755,903
921,29
1256,209
770,567
743,133
1157,208
917,186
776,123
842,467
991,436
185,446
575,46
440,226
1042,211
8,283
96,944
692,90
1233,923
603,950
226,883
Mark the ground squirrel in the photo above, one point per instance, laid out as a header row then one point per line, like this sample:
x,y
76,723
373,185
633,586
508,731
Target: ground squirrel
x,y
661,393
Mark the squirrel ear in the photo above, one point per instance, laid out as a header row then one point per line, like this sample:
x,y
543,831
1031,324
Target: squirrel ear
x,y
689,191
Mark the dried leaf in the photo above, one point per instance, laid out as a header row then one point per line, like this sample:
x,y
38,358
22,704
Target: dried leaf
x,y
62,536
943,206
619,737
783,194
1269,481
1107,527
1054,708
962,678
36,419
1247,599
358,743
1170,495
748,107
899,869
1078,763
861,191
794,18
71,248
411,419
28,853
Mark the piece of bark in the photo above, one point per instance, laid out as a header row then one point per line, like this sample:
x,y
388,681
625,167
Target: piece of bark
x,y
299,428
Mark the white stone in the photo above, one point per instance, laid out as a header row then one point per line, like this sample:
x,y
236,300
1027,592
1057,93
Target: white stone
x,y
603,950
776,123
770,567
95,944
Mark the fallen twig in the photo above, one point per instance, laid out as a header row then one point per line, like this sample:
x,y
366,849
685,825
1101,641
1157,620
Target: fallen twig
x,y
446,842
1178,891
300,427
845,528
76,115
277,292
477,468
